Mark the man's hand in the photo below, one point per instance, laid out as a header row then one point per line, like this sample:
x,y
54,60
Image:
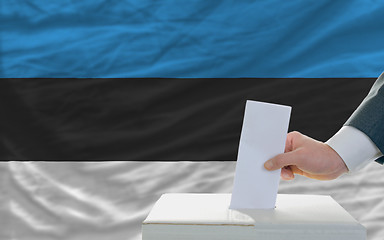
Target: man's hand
x,y
308,157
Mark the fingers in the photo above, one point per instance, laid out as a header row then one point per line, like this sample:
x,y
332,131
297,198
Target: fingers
x,y
287,174
292,137
282,160
288,143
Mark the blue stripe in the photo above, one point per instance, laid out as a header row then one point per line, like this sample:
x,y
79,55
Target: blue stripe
x,y
100,38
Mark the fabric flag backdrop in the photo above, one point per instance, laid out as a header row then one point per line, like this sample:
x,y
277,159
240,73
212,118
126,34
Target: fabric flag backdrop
x,y
168,80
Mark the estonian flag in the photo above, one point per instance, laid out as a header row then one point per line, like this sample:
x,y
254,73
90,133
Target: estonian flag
x,y
168,80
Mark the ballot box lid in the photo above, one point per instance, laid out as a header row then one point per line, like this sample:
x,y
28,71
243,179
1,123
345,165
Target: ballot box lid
x,y
213,209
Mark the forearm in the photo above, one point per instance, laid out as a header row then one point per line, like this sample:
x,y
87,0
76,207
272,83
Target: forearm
x,y
369,116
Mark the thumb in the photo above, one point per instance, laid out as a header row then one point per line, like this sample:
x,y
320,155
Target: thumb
x,y
282,160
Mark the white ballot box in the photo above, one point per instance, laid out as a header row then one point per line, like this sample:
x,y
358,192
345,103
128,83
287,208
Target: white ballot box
x,y
208,217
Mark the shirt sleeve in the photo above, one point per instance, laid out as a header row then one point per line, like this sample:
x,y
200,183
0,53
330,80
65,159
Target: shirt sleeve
x,y
354,147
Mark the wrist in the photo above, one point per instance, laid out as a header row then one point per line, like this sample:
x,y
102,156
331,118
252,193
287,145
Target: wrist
x,y
338,163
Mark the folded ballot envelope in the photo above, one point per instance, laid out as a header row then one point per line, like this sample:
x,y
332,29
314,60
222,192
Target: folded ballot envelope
x,y
208,217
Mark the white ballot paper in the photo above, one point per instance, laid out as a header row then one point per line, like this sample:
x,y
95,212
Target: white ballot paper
x,y
263,136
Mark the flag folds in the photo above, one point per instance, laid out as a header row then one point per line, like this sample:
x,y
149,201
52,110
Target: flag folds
x,y
198,39
168,80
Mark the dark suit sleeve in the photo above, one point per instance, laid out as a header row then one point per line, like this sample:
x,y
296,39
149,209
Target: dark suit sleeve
x,y
369,116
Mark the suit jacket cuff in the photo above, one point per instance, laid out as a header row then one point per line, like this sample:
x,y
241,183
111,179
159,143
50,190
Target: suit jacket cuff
x,y
369,116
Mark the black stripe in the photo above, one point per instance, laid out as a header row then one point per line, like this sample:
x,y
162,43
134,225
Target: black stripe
x,y
158,119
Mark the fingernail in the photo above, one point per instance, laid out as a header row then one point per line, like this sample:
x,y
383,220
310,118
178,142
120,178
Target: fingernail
x,y
286,176
268,165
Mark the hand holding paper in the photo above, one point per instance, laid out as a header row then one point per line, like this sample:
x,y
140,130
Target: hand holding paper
x,y
308,157
263,136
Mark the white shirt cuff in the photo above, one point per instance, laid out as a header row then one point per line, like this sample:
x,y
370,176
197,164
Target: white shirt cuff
x,y
354,147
